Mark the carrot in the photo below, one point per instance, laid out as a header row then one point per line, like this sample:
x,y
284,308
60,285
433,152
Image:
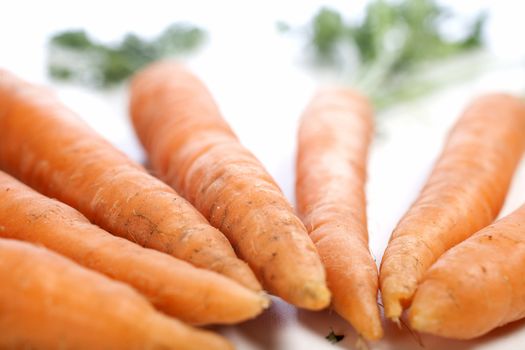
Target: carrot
x,y
47,146
464,193
334,135
477,285
49,302
191,294
193,149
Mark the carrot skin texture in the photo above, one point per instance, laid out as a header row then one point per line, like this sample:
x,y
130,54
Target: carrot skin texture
x,y
477,285
48,147
193,149
463,194
193,295
334,135
52,303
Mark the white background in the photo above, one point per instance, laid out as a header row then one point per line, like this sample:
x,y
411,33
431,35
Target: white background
x,y
257,78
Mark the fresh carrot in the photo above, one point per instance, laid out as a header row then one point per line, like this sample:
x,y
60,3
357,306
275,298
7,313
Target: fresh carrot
x,y
476,286
334,135
191,294
47,146
49,302
193,149
464,193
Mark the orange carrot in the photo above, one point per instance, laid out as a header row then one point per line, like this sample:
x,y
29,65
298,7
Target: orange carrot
x,y
463,194
334,135
476,286
47,146
49,302
191,294
193,149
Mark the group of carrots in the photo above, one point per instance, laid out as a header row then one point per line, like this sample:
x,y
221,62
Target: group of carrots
x,y
97,253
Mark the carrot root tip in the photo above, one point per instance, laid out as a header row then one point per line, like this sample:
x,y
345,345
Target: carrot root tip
x,y
265,300
361,343
397,322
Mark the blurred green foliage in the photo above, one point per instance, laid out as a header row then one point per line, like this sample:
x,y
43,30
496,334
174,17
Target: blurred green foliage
x,y
75,56
416,22
328,29
282,27
393,40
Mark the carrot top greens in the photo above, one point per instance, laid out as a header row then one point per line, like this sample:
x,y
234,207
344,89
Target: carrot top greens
x,y
75,56
391,42
412,26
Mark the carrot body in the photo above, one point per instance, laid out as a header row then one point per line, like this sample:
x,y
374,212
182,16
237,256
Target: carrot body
x,y
191,294
193,149
463,194
334,135
49,302
48,147
476,286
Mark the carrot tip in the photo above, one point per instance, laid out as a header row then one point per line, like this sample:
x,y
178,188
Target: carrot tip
x,y
316,296
265,300
417,321
393,308
396,321
375,334
361,343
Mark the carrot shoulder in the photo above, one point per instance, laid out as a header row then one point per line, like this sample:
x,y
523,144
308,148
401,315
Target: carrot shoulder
x,y
476,286
49,302
191,294
193,149
47,146
463,194
334,136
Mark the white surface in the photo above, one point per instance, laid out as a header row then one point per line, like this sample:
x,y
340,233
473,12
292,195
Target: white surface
x,y
261,90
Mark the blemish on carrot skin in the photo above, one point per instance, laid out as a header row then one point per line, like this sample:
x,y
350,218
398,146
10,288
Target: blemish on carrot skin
x,y
2,228
453,298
